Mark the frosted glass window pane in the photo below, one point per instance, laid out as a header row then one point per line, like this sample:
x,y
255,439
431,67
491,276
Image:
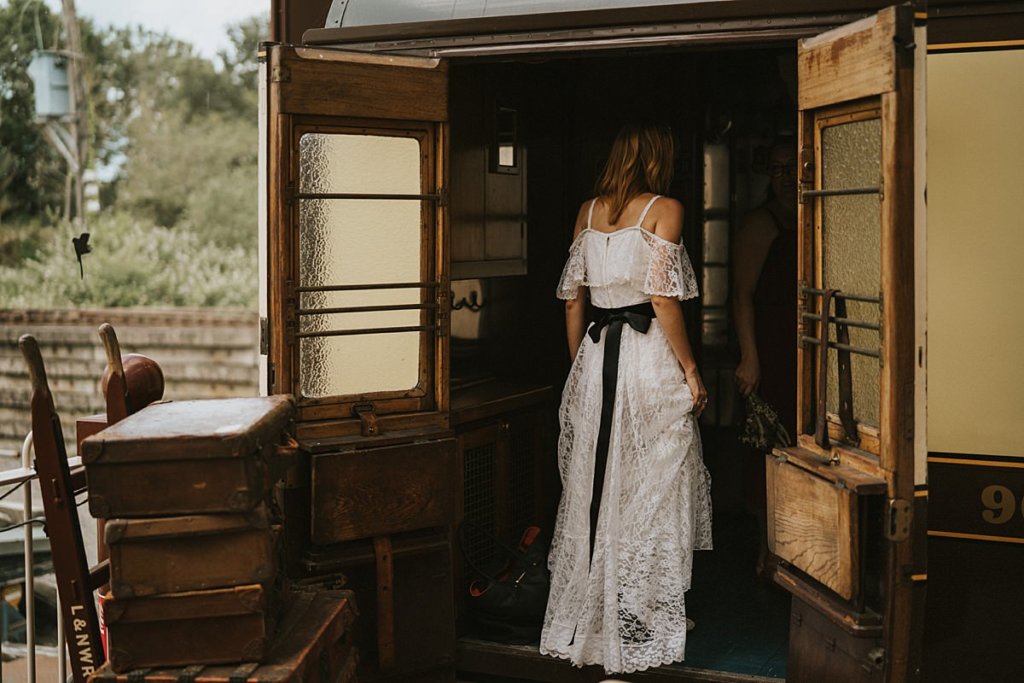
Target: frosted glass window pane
x,y
362,297
851,233
359,241
354,321
371,164
358,364
333,366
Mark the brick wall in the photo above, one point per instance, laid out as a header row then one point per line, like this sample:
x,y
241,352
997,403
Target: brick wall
x,y
203,353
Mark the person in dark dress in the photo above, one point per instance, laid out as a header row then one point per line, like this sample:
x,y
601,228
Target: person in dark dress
x,y
764,306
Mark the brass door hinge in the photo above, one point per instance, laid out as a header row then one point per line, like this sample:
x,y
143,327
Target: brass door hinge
x,y
291,313
899,518
280,74
443,302
806,173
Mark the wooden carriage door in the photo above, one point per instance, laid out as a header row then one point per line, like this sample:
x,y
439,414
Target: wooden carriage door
x,y
840,501
356,326
356,303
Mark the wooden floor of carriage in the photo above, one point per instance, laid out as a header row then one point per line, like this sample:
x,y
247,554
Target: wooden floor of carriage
x,y
742,630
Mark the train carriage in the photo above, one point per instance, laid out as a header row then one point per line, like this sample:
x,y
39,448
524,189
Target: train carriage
x,y
421,164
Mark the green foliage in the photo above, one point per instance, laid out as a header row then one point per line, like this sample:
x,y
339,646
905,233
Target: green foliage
x,y
33,173
164,73
179,222
191,155
240,61
201,173
21,241
132,264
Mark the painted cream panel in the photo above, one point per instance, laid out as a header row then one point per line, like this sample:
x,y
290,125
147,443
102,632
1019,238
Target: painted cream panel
x,y
975,252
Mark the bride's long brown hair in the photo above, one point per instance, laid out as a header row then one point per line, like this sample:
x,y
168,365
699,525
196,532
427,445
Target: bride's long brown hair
x,y
640,161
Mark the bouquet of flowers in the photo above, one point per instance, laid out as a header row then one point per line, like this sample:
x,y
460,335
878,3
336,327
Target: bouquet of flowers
x,y
762,429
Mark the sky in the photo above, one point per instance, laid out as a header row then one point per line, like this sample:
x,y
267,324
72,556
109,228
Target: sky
x,y
200,22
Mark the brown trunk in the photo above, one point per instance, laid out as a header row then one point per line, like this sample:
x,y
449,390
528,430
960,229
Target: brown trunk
x,y
313,645
175,554
197,627
220,456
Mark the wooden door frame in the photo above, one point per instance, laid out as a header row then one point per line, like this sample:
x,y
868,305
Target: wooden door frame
x,y
339,89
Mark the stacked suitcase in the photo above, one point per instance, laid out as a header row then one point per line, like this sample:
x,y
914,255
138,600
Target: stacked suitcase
x,y
192,528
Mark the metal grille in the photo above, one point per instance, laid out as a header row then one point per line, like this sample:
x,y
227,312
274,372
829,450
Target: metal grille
x,y
478,502
523,443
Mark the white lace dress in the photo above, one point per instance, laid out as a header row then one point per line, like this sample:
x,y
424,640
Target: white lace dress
x,y
625,609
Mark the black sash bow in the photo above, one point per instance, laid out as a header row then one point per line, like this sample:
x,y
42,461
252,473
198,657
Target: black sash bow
x,y
638,317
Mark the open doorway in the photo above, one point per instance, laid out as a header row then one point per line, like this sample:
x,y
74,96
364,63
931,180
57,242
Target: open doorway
x,y
528,140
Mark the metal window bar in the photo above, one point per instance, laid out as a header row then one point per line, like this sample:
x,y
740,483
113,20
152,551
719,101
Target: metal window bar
x,y
874,353
814,291
849,322
365,330
844,192
356,288
844,350
365,309
843,320
430,197
24,476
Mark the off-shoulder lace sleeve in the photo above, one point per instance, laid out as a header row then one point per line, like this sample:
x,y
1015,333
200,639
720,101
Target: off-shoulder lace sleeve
x,y
574,275
669,272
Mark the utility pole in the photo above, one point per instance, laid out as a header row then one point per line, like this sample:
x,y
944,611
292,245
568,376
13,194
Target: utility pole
x,y
79,112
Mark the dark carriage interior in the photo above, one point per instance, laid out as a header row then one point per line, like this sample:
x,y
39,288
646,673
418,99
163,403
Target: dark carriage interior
x,y
528,138
567,112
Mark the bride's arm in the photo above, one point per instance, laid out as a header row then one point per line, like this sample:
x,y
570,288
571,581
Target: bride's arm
x,y
669,310
575,322
576,309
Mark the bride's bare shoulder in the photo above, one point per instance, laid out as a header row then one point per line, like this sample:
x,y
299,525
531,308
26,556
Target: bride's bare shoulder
x,y
581,218
666,219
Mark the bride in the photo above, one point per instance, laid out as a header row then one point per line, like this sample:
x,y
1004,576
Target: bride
x,y
635,493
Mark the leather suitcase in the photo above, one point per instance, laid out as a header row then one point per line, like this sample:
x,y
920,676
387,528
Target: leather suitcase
x,y
177,554
187,457
196,627
313,645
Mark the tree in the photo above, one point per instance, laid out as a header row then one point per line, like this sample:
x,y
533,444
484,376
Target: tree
x,y
179,130
240,61
33,171
191,159
128,71
198,173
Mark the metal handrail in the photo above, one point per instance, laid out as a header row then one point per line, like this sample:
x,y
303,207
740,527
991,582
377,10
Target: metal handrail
x,y
23,476
30,579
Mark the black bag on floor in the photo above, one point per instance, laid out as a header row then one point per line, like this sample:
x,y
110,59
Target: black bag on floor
x,y
508,598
